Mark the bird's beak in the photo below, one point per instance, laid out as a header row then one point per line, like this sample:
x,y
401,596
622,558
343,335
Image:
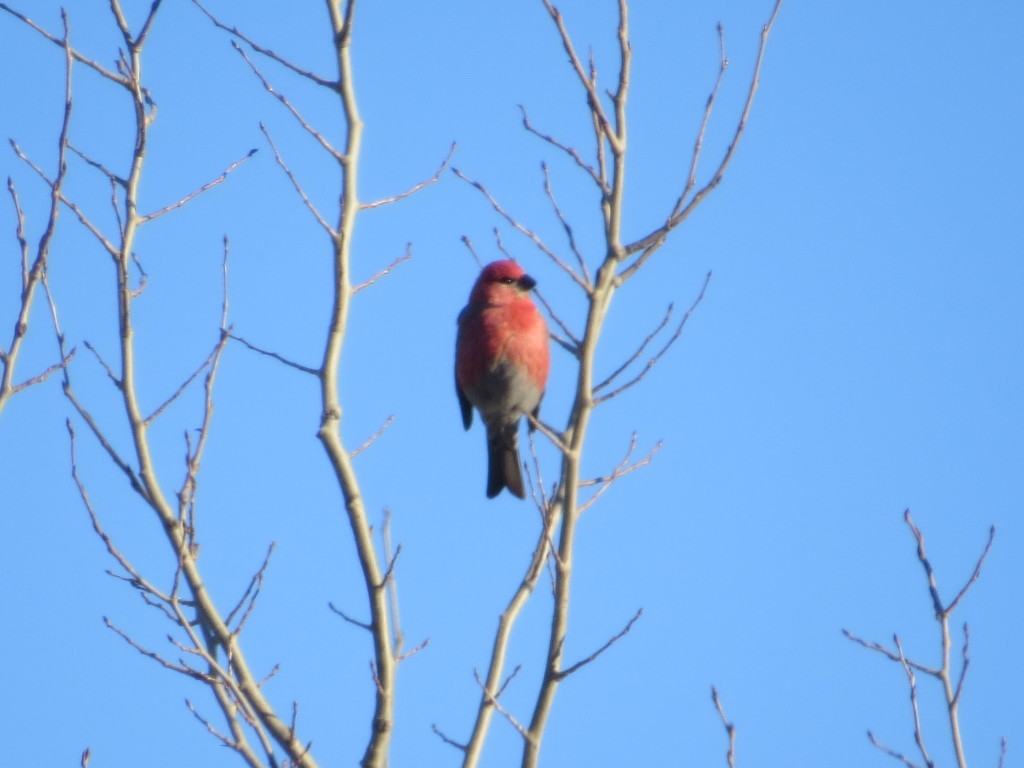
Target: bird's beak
x,y
526,283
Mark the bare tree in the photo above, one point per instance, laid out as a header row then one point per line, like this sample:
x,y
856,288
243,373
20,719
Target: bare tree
x,y
206,636
598,277
952,681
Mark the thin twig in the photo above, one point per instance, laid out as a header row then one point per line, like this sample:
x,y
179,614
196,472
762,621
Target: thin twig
x,y
183,669
508,680
108,246
504,712
279,358
194,194
650,243
319,137
445,739
589,83
570,151
252,591
966,663
67,47
32,276
636,354
593,657
184,385
41,377
373,438
891,752
331,84
472,250
529,233
730,729
977,571
111,176
912,684
656,357
624,468
387,270
410,653
415,188
891,655
570,345
570,236
295,183
349,619
698,144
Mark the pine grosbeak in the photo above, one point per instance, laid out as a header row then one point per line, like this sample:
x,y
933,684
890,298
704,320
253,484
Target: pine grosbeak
x,y
501,366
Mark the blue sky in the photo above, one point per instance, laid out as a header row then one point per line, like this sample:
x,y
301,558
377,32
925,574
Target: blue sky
x,y
859,351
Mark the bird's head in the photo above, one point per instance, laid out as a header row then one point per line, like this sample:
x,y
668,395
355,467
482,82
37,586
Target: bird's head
x,y
501,282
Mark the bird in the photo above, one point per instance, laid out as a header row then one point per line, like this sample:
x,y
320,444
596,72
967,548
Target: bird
x,y
502,359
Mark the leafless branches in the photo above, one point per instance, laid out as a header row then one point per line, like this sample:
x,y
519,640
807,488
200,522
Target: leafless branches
x,y
34,273
492,684
730,729
653,360
604,167
378,576
943,671
206,641
690,199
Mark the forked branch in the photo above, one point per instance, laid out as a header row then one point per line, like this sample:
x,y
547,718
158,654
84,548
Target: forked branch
x,y
647,245
33,274
943,671
607,115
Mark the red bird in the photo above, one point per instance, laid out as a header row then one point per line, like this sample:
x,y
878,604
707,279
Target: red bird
x,y
501,366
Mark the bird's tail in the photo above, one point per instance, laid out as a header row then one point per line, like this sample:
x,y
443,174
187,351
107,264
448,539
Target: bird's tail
x,y
503,460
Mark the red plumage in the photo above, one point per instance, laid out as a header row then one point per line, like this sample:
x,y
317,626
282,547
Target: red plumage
x,y
502,360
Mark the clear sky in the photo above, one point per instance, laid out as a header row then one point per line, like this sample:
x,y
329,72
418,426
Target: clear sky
x,y
860,350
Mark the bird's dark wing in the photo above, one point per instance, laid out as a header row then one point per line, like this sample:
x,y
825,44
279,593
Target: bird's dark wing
x,y
464,405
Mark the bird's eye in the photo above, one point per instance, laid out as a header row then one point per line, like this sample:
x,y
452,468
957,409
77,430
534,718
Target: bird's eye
x,y
507,280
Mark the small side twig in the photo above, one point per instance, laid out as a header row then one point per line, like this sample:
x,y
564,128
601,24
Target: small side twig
x,y
493,701
594,656
331,84
367,283
912,685
569,234
279,358
522,229
306,126
730,729
195,193
349,619
891,752
570,151
373,438
252,592
295,184
416,187
624,468
445,739
654,359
